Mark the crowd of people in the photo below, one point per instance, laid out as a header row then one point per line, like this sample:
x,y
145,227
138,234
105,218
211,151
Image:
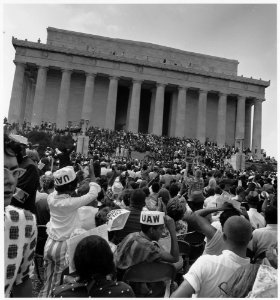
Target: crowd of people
x,y
181,186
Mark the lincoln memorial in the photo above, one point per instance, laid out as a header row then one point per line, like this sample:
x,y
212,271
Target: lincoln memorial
x,y
135,86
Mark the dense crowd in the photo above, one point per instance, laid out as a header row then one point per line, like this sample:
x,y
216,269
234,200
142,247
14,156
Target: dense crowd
x,y
180,188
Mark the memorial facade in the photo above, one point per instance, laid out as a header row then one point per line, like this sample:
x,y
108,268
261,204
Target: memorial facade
x,y
135,86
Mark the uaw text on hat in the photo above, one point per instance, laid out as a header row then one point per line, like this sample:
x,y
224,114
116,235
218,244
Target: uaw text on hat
x,y
63,220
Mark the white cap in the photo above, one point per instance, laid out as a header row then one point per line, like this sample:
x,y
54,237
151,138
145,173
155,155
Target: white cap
x,y
19,138
64,176
149,217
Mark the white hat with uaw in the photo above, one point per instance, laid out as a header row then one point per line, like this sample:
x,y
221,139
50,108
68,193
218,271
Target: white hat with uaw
x,y
64,176
149,217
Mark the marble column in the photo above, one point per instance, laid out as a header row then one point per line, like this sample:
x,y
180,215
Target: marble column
x,y
64,93
221,122
39,96
16,96
29,102
240,118
257,128
181,112
172,115
158,113
133,118
128,107
111,104
88,97
152,110
248,119
201,119
23,100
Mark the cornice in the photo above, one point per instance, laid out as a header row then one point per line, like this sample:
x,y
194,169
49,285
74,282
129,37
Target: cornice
x,y
146,63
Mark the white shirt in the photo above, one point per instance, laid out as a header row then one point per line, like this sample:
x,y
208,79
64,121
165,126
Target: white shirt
x,y
104,171
64,212
263,239
256,219
209,271
211,201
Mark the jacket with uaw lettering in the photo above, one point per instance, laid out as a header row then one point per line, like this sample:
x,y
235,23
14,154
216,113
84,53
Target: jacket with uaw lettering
x,y
64,212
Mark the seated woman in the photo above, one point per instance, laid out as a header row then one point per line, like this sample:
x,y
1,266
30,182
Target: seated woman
x,y
95,268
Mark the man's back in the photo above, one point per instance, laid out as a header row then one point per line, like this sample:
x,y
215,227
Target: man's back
x,y
210,271
134,249
263,238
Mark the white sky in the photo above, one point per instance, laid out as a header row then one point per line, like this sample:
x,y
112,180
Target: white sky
x,y
245,32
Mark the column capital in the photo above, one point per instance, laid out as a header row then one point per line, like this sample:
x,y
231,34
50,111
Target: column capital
x,y
159,84
202,91
258,100
19,63
65,70
43,67
90,74
137,81
181,87
222,94
114,77
241,97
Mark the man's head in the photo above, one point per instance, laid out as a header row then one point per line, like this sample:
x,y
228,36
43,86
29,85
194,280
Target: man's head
x,y
198,174
152,224
155,187
237,231
137,199
253,199
270,214
226,214
11,170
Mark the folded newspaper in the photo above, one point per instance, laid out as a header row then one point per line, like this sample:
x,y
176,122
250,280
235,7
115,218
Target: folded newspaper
x,y
117,218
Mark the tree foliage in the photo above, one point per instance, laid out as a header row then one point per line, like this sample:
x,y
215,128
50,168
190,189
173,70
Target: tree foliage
x,y
63,142
39,137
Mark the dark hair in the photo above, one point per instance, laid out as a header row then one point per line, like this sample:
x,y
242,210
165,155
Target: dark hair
x,y
146,190
232,189
270,214
175,209
226,214
173,190
210,192
93,257
155,187
101,215
71,186
218,190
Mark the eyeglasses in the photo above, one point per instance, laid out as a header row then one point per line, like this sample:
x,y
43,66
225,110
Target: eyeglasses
x,y
18,172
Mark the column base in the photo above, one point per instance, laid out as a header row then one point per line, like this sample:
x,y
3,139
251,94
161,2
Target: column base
x,y
82,144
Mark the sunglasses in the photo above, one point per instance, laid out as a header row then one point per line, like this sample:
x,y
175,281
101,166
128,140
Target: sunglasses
x,y
18,172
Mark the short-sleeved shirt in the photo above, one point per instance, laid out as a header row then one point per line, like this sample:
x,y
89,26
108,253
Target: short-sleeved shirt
x,y
216,245
256,219
134,249
209,271
20,241
263,239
